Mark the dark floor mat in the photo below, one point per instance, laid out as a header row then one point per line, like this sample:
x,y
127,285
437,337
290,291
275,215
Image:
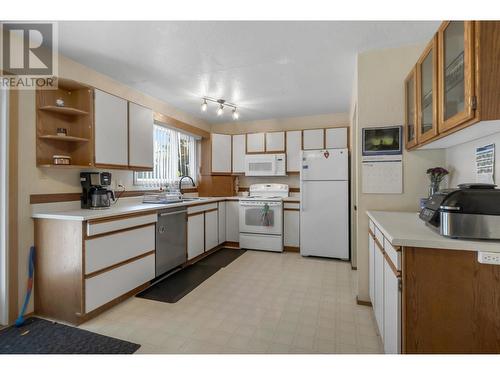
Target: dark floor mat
x,y
181,283
40,336
221,258
178,285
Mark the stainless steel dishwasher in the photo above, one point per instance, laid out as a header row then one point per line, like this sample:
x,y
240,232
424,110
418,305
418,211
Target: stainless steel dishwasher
x,y
171,239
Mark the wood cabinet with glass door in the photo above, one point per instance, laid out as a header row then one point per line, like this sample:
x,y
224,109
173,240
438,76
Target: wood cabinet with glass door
x,y
410,109
427,110
457,101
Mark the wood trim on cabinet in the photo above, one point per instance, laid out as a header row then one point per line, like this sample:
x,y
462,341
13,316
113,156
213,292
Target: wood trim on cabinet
x,y
412,74
92,314
128,229
119,264
469,78
195,213
290,209
371,233
431,47
212,209
391,265
122,217
111,166
13,243
231,245
379,245
291,249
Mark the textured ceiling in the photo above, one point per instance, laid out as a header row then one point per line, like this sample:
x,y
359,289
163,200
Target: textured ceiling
x,y
270,69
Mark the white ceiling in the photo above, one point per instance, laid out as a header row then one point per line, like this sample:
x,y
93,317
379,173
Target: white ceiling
x,y
270,69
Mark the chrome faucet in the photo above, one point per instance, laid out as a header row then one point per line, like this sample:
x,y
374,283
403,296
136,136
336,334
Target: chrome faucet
x,y
180,182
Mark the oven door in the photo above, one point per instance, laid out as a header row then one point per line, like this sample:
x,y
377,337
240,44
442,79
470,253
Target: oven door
x,y
261,217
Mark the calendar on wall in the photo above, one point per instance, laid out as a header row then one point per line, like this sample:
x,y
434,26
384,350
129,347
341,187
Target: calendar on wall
x,y
382,177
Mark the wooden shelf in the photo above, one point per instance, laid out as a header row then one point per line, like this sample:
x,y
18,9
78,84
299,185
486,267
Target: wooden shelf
x,y
62,166
64,110
66,138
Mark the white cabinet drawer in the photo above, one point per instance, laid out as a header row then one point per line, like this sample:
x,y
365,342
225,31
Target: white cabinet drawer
x,y
291,205
204,207
394,255
118,224
107,286
105,251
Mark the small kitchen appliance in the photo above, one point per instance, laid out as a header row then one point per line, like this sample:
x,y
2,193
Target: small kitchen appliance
x,y
324,203
261,217
265,165
95,194
471,212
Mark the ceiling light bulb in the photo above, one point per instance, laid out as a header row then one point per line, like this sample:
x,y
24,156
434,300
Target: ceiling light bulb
x,y
236,114
220,110
204,105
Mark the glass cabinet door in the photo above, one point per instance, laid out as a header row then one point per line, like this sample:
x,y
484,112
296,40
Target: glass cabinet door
x,y
410,109
426,93
455,73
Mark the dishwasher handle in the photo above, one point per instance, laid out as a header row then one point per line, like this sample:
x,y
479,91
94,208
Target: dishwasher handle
x,y
172,213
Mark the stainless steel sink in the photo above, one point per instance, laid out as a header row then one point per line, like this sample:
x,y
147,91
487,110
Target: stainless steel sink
x,y
193,199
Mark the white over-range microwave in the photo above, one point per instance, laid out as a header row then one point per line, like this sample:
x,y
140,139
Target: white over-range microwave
x,y
265,165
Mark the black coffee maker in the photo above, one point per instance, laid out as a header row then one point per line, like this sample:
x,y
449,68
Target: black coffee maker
x,y
95,194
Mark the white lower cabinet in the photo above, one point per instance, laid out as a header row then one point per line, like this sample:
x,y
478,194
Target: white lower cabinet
x,y
222,222
109,285
385,291
392,311
232,221
211,230
378,292
291,222
196,241
371,267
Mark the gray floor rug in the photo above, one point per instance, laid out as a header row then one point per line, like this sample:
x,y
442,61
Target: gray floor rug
x,y
40,336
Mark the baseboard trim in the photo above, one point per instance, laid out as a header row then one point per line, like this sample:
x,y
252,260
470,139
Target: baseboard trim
x,y
354,268
291,249
363,303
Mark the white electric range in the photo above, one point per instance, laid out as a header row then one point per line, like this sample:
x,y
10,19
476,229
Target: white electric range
x,y
261,217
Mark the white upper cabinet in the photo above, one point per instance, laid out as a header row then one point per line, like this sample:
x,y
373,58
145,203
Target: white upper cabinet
x,y
313,139
221,153
336,138
293,149
239,153
140,133
255,142
275,142
111,129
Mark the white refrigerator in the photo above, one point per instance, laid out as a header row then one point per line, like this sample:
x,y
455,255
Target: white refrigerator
x,y
324,203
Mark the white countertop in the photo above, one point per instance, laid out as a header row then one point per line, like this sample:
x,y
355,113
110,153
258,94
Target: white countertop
x,y
407,229
72,211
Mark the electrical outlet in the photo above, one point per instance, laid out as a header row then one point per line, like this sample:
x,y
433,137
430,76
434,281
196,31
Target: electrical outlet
x,y
488,258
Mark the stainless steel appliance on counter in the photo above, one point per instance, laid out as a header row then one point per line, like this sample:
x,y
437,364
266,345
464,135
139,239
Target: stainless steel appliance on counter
x,y
472,211
171,239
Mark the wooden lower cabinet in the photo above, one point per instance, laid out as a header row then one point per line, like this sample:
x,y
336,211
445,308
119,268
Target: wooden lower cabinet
x,y
82,268
441,301
451,302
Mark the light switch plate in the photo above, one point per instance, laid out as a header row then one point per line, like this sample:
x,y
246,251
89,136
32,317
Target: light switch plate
x,y
488,258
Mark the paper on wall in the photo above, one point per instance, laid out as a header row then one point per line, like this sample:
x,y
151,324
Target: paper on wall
x,y
485,164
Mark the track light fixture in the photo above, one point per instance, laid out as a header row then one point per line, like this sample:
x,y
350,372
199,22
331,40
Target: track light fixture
x,y
221,104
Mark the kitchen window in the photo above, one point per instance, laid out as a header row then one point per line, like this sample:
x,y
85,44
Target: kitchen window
x,y
174,156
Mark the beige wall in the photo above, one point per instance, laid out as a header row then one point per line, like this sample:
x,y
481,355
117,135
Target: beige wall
x,y
33,180
461,160
380,102
290,123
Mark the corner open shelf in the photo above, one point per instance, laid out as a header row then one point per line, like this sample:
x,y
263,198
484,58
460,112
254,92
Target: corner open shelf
x,y
67,138
76,116
64,110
